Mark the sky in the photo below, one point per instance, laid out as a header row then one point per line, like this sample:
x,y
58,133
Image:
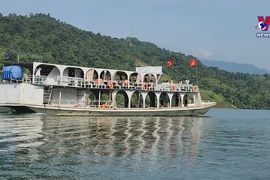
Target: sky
x,y
206,29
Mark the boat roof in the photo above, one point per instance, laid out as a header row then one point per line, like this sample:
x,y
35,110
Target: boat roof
x,y
31,65
28,65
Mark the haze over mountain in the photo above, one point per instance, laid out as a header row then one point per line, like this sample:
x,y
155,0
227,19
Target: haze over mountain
x,y
234,67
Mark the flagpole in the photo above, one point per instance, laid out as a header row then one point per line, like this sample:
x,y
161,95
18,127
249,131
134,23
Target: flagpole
x,y
170,64
171,72
196,76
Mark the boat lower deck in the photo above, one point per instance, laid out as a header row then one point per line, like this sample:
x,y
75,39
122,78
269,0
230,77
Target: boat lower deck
x,y
68,110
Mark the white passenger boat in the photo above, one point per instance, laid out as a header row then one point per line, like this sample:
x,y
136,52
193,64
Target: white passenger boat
x,y
71,90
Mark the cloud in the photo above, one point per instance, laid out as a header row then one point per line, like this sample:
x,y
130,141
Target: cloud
x,y
205,54
200,52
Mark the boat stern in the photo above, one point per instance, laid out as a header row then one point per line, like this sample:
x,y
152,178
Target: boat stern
x,y
19,95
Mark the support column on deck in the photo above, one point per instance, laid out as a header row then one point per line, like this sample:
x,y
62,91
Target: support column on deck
x,y
60,96
158,98
170,94
114,98
110,99
99,97
144,94
197,99
182,99
129,94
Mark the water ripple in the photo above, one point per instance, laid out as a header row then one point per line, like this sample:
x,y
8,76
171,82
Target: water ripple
x,y
46,147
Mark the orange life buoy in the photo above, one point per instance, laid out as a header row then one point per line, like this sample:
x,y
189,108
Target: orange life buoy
x,y
126,83
173,88
99,81
195,88
110,84
145,86
103,106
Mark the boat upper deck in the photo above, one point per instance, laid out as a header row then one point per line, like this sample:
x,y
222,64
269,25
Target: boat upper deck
x,y
144,78
108,84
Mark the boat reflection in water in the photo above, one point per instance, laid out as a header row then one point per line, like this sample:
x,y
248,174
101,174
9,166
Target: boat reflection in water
x,y
152,138
121,136
109,141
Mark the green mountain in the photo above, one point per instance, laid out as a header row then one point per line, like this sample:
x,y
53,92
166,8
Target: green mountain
x,y
40,37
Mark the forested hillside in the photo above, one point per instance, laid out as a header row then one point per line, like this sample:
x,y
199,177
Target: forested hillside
x,y
40,37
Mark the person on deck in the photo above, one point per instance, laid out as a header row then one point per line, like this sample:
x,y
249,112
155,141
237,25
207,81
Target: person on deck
x,y
38,74
25,77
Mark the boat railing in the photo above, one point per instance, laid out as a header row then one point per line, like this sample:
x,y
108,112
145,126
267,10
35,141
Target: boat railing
x,y
83,103
111,84
175,87
46,80
108,84
69,81
66,101
206,101
71,102
100,104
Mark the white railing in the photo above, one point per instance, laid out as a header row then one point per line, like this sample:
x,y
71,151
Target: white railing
x,y
108,84
40,80
82,103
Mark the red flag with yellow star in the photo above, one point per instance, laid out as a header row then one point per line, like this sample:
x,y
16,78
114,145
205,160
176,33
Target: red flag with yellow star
x,y
170,63
193,62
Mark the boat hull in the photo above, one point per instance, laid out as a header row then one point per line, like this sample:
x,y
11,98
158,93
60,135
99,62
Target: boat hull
x,y
62,111
4,109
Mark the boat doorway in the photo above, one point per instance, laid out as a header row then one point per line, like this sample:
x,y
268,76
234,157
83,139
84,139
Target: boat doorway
x,y
151,100
188,99
136,100
164,100
185,100
176,100
121,99
100,98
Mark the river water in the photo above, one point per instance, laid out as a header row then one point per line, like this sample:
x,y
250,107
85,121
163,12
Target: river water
x,y
223,144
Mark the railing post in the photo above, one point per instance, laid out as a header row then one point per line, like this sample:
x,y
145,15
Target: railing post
x,y
61,80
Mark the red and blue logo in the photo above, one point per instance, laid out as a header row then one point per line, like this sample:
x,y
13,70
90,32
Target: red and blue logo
x,y
263,25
